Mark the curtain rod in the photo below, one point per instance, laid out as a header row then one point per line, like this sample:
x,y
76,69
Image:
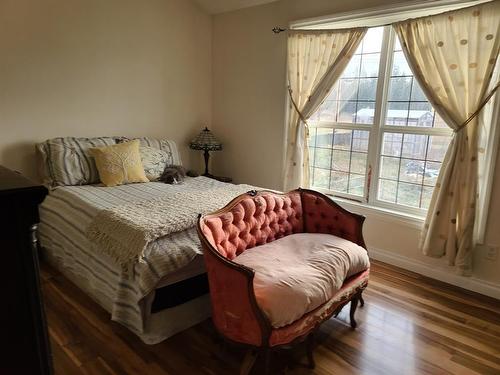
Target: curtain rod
x,y
278,29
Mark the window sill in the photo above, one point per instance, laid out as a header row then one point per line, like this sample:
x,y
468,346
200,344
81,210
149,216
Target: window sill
x,y
381,213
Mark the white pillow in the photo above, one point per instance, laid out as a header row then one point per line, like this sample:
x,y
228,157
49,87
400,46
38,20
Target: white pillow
x,y
154,161
166,145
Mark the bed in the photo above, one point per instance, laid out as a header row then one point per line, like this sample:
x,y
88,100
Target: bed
x,y
165,293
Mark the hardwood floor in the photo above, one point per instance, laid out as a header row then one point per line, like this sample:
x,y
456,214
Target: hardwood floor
x,y
409,325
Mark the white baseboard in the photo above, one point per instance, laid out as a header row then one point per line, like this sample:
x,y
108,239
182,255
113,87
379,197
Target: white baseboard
x,y
470,283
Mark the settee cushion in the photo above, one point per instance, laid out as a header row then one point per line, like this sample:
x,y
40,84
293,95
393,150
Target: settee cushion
x,y
300,272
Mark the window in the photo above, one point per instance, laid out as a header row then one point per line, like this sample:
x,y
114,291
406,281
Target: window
x,y
376,138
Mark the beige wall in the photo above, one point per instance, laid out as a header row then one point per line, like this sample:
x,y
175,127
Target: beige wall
x,y
249,113
101,67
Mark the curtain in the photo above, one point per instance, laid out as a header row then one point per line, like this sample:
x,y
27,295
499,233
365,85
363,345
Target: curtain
x,y
453,56
316,59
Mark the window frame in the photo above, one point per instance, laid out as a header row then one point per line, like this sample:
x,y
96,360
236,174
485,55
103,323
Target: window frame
x,y
376,133
386,14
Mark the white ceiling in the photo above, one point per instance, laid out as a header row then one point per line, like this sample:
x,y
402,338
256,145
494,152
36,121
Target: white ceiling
x,y
220,6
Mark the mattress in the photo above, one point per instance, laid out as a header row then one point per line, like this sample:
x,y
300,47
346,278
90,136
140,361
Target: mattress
x,y
64,216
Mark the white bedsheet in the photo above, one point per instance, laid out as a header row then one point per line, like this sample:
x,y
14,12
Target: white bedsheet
x,y
64,217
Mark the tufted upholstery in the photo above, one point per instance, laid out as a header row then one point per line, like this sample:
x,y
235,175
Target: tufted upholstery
x,y
323,217
254,221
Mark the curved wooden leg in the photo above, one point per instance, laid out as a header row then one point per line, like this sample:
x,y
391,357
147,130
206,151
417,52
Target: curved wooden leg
x,y
248,362
354,305
361,300
266,352
309,348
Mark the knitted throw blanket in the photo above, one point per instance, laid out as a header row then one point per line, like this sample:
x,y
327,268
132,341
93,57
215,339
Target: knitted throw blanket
x,y
124,231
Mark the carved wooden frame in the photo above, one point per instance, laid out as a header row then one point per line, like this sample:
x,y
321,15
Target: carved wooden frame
x,y
265,325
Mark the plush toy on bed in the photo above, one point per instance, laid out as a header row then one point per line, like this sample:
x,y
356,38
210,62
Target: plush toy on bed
x,y
173,174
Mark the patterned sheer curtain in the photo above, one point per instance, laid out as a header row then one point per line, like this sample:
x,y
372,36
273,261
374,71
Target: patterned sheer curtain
x,y
453,56
316,59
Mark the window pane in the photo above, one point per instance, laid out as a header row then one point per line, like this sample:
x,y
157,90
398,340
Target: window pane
x,y
400,89
400,66
342,139
397,113
416,92
369,65
438,145
407,161
365,113
356,89
341,160
347,112
321,178
327,112
421,106
397,45
411,171
358,163
339,181
387,190
352,100
347,151
356,184
348,89
389,167
431,173
409,194
360,140
419,117
322,158
372,42
414,146
367,89
324,138
407,103
392,144
352,69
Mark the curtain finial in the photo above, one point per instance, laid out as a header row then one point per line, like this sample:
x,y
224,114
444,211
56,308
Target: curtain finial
x,y
277,29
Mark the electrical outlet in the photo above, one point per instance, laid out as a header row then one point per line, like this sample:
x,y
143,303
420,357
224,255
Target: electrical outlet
x,y
492,253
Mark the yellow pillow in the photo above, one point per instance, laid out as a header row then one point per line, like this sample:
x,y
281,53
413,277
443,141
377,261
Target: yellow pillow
x,y
119,164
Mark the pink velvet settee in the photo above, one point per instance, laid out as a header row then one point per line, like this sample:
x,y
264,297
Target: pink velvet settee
x,y
279,265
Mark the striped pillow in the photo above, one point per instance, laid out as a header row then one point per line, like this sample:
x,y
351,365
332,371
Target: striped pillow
x,y
67,161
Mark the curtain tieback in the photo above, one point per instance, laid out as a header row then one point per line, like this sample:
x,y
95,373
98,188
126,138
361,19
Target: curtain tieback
x,y
301,116
481,106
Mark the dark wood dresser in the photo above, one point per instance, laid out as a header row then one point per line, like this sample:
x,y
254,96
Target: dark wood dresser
x,y
25,342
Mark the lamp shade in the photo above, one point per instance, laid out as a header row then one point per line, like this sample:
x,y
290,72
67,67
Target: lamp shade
x,y
205,141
